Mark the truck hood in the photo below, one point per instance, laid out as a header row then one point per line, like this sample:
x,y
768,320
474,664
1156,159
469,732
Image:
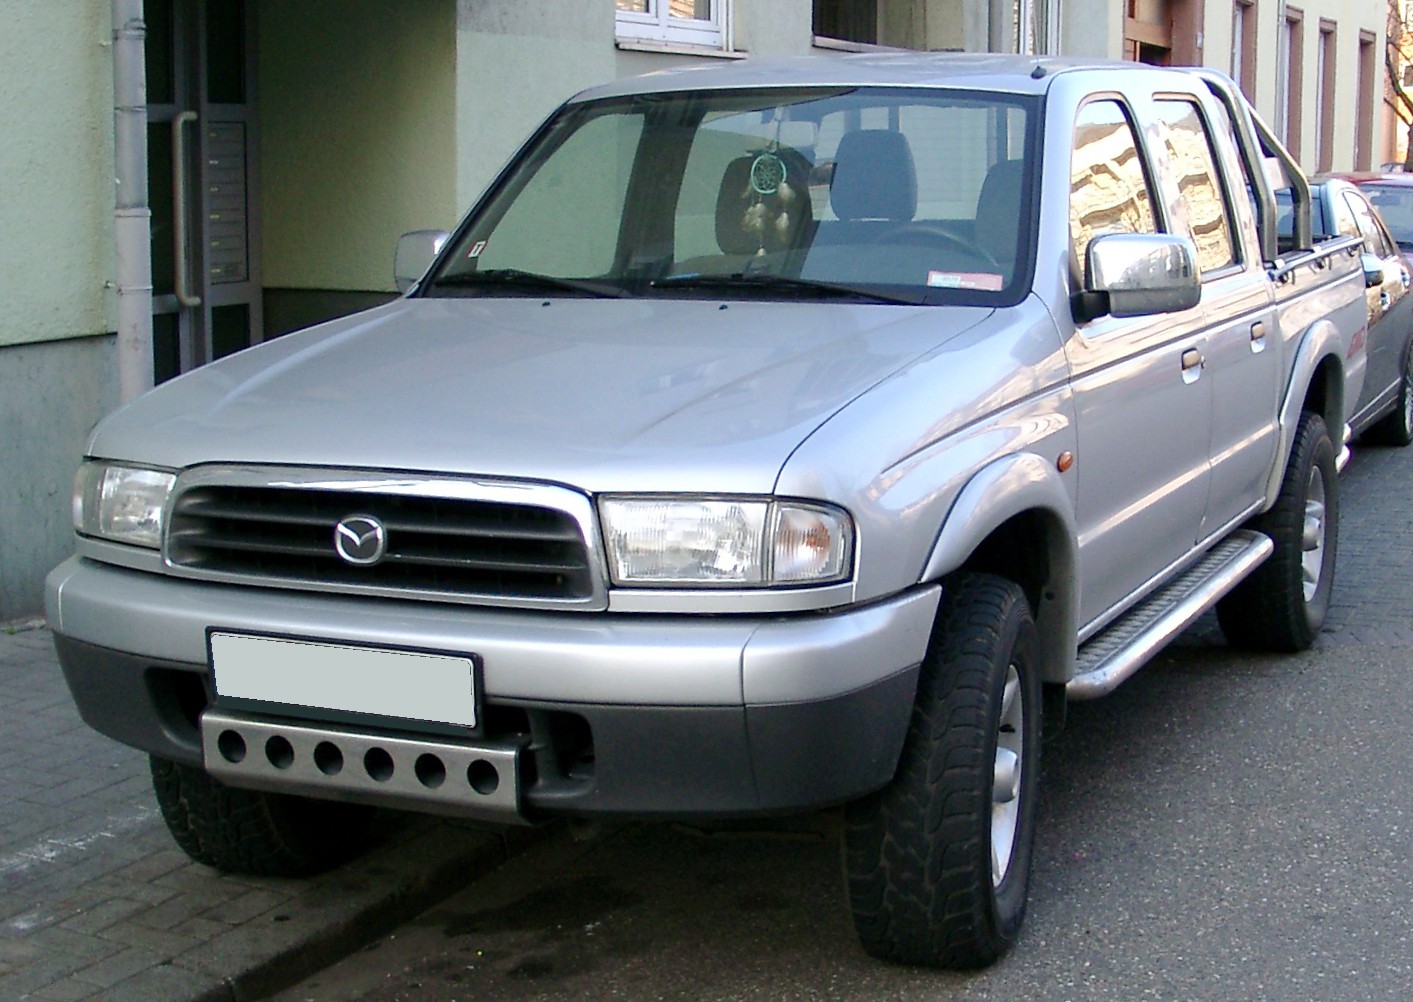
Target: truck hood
x,y
622,395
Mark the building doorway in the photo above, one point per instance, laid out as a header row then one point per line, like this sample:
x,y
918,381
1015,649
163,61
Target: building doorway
x,y
202,181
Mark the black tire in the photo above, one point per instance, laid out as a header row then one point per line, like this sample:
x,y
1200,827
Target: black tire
x,y
1282,604
1397,428
249,832
919,854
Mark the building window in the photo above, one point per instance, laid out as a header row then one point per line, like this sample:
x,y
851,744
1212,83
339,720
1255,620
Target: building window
x,y
1325,97
1290,79
1364,122
674,22
1243,46
847,20
1037,26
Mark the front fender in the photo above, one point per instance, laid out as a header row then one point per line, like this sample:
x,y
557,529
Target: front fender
x,y
1320,365
1020,486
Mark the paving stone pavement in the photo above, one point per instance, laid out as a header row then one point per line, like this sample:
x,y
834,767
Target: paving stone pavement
x,y
96,901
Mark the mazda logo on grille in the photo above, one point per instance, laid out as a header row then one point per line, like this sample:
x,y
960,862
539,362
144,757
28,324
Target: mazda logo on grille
x,y
361,540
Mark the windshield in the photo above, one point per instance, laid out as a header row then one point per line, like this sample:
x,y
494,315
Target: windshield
x,y
883,195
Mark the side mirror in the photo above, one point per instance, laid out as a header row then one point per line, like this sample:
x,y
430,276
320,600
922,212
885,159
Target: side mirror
x,y
1373,271
415,253
1137,274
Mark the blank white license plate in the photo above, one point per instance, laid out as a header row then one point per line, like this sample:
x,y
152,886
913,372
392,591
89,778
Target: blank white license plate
x,y
413,685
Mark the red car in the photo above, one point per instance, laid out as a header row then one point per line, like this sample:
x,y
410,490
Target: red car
x,y
1392,195
1384,411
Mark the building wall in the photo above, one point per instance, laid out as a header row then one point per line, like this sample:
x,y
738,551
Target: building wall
x,y
1351,17
51,395
56,159
1082,36
357,104
532,56
1092,29
57,374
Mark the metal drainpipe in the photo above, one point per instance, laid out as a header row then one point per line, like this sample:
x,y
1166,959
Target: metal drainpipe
x,y
132,216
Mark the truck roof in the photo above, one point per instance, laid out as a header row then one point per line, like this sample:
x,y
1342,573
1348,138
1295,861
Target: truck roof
x,y
971,71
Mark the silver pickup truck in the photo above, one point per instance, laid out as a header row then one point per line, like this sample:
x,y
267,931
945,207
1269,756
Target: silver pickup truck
x,y
766,439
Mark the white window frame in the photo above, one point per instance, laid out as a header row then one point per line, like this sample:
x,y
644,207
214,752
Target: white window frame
x,y
1030,37
658,25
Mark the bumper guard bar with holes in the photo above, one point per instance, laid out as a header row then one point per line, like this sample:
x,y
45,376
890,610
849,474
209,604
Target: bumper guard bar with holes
x,y
422,775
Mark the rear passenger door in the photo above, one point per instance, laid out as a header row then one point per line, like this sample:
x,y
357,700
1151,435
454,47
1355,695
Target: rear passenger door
x,y
1142,398
1388,305
1241,355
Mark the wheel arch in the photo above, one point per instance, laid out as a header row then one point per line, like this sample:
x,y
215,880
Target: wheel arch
x,y
1014,518
1316,384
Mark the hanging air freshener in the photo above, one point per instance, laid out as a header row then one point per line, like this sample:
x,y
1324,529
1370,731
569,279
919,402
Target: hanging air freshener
x,y
767,173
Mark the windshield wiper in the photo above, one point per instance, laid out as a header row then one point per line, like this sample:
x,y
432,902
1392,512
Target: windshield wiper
x,y
514,277
766,280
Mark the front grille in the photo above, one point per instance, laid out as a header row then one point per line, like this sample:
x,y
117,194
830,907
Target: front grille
x,y
447,546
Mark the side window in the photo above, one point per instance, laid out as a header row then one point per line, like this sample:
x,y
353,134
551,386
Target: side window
x,y
1194,164
1108,186
1369,229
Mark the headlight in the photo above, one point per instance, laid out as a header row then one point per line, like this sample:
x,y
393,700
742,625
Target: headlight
x,y
725,542
121,503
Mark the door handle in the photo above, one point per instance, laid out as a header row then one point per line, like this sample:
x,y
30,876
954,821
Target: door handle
x,y
1192,365
179,195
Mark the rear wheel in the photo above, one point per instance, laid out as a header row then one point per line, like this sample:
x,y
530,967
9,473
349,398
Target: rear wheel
x,y
249,832
1282,605
938,862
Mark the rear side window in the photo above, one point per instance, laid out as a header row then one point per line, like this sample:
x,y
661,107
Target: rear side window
x,y
1374,240
1194,165
1395,205
1109,190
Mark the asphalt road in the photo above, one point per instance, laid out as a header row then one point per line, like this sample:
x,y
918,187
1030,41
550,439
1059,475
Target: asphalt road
x,y
1221,827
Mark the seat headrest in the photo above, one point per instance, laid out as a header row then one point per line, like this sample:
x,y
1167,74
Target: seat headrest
x,y
874,177
764,202
998,207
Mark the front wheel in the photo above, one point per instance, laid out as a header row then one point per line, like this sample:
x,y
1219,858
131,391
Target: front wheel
x,y
1282,604
938,862
254,833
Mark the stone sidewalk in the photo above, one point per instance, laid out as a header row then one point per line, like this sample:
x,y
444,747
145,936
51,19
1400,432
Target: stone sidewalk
x,y
97,902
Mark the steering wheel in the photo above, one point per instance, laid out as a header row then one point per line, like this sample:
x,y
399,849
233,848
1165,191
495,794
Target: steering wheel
x,y
937,233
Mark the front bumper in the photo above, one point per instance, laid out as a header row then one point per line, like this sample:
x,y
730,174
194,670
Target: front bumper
x,y
630,715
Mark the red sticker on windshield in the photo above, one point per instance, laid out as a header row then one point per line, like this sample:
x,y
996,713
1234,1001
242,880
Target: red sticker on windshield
x,y
476,249
983,280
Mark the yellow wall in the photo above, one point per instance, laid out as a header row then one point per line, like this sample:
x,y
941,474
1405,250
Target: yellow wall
x,y
357,110
56,170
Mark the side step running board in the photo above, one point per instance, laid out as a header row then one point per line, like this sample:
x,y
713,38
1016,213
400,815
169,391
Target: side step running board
x,y
1131,640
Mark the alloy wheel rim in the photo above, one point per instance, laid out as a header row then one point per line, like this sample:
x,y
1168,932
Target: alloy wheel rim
x,y
1006,776
1312,558
1408,396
